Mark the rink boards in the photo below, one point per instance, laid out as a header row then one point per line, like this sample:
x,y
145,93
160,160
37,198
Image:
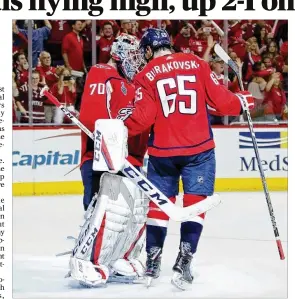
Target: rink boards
x,y
46,160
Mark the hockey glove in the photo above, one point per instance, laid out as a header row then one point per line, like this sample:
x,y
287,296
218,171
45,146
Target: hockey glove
x,y
246,99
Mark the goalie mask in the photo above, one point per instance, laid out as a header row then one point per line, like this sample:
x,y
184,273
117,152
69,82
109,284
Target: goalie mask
x,y
125,51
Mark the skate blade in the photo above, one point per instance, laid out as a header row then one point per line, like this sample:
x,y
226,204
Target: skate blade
x,y
179,282
149,281
122,279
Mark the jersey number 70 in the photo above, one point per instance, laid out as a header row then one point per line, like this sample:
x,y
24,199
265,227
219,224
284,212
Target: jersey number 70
x,y
169,101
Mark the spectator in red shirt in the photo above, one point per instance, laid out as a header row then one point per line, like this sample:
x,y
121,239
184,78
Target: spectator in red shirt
x,y
21,67
104,43
261,36
253,55
217,67
72,48
20,42
116,28
199,44
126,26
59,29
65,91
143,25
275,99
267,61
273,53
86,34
247,27
264,24
22,101
15,94
47,72
49,78
130,27
236,38
210,29
257,87
284,50
185,39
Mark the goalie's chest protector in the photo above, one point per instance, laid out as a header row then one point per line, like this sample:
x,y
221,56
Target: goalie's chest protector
x,y
105,95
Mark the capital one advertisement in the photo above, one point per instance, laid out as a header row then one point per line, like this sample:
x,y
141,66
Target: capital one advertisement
x,y
54,155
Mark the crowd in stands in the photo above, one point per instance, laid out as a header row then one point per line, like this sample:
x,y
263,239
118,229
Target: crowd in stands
x,y
62,55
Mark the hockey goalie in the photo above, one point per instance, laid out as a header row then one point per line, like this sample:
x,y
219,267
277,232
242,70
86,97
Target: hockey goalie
x,y
113,234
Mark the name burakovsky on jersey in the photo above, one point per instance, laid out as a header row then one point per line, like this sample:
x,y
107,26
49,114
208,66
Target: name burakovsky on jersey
x,y
171,66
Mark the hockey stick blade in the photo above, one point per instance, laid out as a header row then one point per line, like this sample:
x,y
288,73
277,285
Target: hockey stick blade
x,y
175,212
224,56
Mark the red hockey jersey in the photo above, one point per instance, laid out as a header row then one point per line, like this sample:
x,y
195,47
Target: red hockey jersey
x,y
108,95
172,93
38,114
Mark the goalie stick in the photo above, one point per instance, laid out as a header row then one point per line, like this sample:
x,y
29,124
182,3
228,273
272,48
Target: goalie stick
x,y
223,55
175,212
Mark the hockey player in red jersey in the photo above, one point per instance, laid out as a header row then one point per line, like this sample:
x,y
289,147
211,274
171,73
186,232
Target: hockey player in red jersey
x,y
109,93
172,94
111,238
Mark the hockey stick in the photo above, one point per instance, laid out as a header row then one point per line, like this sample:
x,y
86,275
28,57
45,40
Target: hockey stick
x,y
175,212
218,29
223,55
274,27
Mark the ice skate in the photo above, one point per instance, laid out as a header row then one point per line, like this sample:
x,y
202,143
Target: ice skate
x,y
153,265
182,277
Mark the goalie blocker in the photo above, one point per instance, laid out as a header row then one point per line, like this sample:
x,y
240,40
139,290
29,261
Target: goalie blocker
x,y
112,236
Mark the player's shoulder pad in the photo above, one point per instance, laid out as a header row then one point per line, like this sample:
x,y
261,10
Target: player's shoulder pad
x,y
103,66
103,71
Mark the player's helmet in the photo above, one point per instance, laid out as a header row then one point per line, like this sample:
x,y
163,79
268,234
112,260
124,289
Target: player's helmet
x,y
155,39
125,51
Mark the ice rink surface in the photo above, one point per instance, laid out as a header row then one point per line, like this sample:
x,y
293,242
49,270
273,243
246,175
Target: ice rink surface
x,y
237,255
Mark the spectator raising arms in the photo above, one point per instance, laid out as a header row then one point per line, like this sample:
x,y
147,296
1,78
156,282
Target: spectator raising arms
x,y
65,91
59,29
258,47
253,55
186,38
38,37
72,48
275,99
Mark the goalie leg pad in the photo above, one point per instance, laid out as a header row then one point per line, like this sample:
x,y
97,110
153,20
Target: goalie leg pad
x,y
129,246
88,274
105,235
